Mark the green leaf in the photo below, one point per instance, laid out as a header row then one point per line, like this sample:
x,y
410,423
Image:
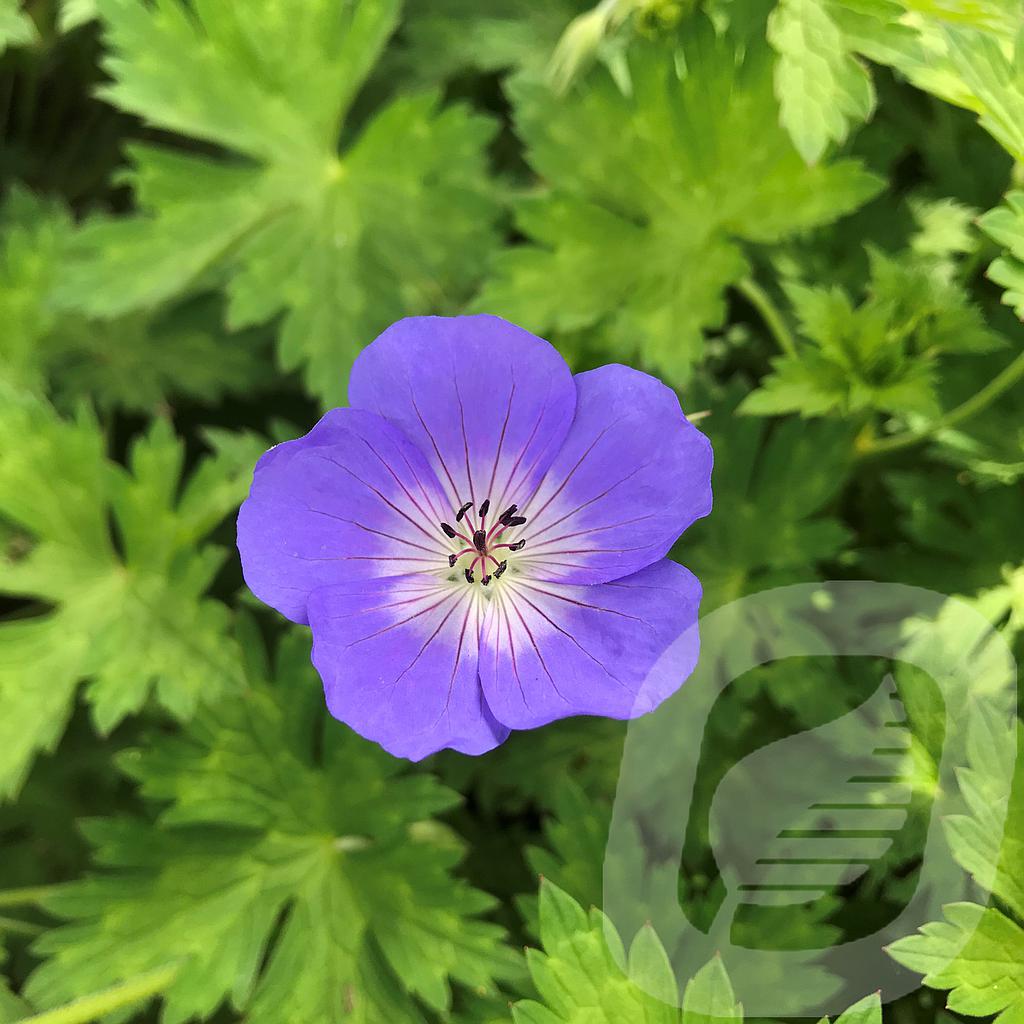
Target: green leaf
x,y
339,245
257,831
866,1011
12,1008
1005,225
977,953
996,86
880,356
35,232
16,27
518,774
989,840
136,362
943,228
580,975
709,997
577,835
671,176
74,13
795,472
941,551
823,89
126,611
443,38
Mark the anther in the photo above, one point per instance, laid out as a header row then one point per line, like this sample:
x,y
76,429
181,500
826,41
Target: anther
x,y
480,540
447,530
518,546
469,575
462,511
485,581
507,514
452,559
484,507
516,521
502,566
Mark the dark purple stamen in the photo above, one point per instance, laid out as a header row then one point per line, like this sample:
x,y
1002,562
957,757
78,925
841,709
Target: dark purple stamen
x,y
462,511
502,566
452,559
469,575
484,507
480,540
516,521
447,530
485,581
518,546
507,514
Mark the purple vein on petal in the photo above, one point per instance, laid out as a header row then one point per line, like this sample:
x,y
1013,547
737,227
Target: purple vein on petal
x,y
581,604
465,439
370,529
592,529
566,633
366,558
402,622
501,439
423,489
590,501
405,515
397,480
458,657
507,490
512,652
565,480
419,654
540,657
437,451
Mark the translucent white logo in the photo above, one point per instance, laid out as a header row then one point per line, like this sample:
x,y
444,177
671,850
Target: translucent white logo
x,y
800,818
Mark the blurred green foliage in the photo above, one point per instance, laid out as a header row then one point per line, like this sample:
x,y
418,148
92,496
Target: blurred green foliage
x,y
806,216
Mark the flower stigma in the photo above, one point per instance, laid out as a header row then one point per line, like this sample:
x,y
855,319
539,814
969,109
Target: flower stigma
x,y
482,542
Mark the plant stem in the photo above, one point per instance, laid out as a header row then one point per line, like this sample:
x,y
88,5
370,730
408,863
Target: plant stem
x,y
99,1004
973,405
773,319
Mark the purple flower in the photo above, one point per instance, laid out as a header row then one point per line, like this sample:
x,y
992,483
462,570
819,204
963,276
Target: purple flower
x,y
479,542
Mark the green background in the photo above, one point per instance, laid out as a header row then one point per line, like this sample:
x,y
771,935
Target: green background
x,y
802,216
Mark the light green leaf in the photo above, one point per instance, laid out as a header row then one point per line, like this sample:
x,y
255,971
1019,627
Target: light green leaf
x,y
882,355
74,13
977,953
136,362
1005,225
943,228
580,975
671,177
709,998
989,840
996,85
339,245
16,27
650,968
932,508
126,612
256,831
442,38
795,471
822,87
866,1011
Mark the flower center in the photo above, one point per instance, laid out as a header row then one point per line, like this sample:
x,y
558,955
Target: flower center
x,y
483,542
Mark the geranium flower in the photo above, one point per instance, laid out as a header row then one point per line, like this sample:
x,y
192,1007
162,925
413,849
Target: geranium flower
x,y
478,543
